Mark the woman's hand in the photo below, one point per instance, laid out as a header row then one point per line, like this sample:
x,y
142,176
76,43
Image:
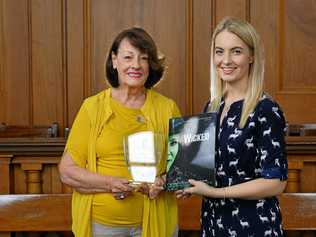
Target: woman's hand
x,y
143,188
199,188
119,187
157,187
181,194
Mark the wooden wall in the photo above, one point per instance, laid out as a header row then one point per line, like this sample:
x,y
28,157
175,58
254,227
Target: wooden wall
x,y
52,52
52,55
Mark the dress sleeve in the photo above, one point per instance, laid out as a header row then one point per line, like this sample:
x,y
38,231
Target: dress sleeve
x,y
271,142
77,143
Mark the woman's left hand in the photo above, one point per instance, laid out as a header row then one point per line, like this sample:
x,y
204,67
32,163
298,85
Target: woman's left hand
x,y
200,188
157,187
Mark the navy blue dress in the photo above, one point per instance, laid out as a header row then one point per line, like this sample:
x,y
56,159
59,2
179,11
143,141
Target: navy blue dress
x,y
256,151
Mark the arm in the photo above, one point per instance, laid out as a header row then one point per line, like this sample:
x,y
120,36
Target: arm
x,y
251,190
84,181
274,165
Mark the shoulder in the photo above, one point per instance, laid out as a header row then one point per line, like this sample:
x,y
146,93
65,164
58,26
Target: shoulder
x,y
166,106
160,99
92,104
268,109
91,101
157,97
267,104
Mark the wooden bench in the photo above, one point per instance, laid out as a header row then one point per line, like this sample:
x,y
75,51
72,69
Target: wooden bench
x,y
298,212
52,212
35,212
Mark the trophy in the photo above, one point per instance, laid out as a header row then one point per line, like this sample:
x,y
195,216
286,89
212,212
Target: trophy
x,y
143,152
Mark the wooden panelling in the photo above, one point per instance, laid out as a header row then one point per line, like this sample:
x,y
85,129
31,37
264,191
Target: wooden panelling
x,y
75,90
298,45
47,61
202,28
266,28
296,35
14,60
235,8
53,52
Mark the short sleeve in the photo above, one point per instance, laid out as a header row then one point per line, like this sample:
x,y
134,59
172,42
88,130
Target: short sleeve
x,y
77,143
271,141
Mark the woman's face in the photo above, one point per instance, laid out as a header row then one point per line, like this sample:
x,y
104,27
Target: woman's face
x,y
131,64
173,148
232,57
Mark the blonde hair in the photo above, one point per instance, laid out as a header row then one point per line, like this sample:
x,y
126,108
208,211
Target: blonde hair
x,y
249,36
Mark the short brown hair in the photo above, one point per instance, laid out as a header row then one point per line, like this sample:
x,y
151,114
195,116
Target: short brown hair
x,y
141,40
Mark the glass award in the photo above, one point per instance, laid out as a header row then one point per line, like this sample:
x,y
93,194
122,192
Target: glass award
x,y
143,152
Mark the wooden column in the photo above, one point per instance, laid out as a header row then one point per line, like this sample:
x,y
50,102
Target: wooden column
x,y
33,177
5,161
294,176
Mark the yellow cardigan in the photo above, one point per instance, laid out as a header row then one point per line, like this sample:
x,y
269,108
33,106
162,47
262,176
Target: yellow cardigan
x,y
160,214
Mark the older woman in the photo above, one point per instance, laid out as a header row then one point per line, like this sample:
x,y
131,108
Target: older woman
x,y
104,204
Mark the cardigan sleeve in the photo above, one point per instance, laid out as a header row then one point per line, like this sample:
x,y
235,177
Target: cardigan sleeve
x,y
77,143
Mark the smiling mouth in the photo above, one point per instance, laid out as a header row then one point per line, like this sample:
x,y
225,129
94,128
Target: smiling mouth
x,y
135,74
228,70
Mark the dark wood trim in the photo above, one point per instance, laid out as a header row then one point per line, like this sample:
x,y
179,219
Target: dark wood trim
x,y
189,57
32,146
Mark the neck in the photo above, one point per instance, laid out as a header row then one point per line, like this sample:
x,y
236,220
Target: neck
x,y
130,97
235,91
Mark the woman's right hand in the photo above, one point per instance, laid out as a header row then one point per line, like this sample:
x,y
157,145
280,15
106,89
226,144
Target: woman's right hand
x,y
119,187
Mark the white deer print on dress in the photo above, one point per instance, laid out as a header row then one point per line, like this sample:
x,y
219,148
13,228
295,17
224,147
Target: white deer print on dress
x,y
231,150
258,171
221,173
268,232
260,204
230,181
249,143
236,134
251,125
262,119
267,132
273,216
244,224
230,121
240,173
235,212
275,233
275,110
264,154
219,223
263,218
232,233
275,143
233,163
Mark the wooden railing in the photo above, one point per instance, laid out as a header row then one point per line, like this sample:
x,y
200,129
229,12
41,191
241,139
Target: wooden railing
x,y
52,212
